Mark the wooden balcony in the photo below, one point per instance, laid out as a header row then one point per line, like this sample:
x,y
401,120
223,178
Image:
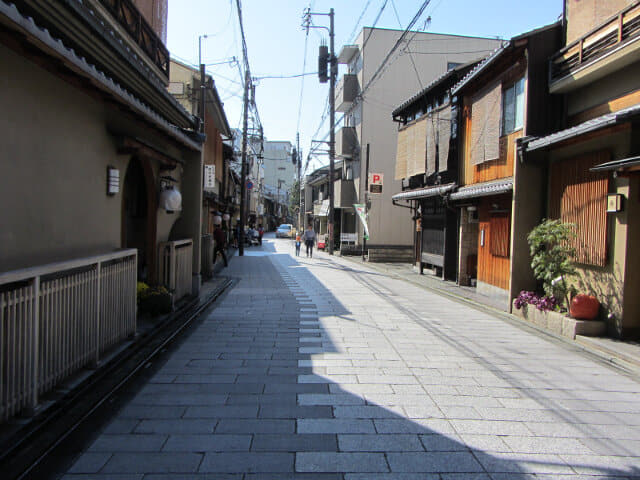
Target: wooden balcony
x,y
130,18
612,40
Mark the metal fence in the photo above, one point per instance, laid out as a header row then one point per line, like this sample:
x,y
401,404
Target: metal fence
x,y
176,267
58,318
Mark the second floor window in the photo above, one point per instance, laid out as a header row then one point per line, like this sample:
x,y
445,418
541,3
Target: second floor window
x,y
513,107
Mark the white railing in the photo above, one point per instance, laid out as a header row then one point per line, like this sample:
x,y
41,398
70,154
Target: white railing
x,y
58,318
175,260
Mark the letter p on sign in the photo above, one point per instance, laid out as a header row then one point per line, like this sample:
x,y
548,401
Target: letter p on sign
x,y
375,178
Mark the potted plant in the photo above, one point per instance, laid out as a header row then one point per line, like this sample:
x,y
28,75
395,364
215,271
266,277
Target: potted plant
x,y
550,245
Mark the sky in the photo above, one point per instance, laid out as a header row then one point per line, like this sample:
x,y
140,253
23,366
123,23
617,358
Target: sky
x,y
278,46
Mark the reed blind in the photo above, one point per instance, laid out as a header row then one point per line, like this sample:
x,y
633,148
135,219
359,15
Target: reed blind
x,y
579,196
485,125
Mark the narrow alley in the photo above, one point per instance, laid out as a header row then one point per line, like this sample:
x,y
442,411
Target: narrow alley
x,y
326,369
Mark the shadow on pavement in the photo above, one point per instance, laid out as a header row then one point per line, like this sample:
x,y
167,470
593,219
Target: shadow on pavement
x,y
274,384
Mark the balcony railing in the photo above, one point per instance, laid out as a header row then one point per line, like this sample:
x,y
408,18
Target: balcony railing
x,y
56,319
128,15
176,267
612,34
346,142
346,92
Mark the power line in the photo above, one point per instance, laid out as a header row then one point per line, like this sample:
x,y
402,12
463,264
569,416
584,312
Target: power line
x,y
400,40
413,63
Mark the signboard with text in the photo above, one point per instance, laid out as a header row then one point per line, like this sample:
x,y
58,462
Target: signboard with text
x,y
375,182
209,177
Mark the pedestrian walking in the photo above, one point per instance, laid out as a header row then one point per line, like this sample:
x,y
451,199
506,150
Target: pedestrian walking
x,y
221,244
309,238
298,242
260,233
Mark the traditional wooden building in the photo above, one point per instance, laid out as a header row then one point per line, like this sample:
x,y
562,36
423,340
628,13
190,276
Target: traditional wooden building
x,y
504,98
101,184
427,164
591,165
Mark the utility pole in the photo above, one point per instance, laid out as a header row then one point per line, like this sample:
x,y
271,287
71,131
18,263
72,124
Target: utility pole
x,y
243,174
332,120
202,83
299,161
333,73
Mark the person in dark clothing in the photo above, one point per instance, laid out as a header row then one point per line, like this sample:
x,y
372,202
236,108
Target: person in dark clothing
x,y
260,233
309,238
219,237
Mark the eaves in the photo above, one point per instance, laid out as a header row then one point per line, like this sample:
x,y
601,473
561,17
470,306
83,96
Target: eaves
x,y
54,48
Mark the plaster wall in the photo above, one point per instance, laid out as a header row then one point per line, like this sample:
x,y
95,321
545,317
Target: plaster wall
x,y
609,88
584,15
55,153
54,181
388,224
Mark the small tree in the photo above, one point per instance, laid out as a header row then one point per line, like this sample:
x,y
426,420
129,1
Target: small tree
x,y
552,253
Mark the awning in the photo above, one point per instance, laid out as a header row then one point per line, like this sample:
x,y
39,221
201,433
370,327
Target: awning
x,y
597,123
424,192
617,164
483,189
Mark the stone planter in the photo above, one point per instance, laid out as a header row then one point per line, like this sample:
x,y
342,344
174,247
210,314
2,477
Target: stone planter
x,y
561,324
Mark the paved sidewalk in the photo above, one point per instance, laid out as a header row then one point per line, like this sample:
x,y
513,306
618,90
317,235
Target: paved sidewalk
x,y
323,369
623,353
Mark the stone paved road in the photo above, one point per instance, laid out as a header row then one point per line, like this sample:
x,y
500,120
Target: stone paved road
x,y
322,369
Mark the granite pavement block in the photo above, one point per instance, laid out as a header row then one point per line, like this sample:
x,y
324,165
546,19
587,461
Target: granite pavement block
x,y
207,443
171,462
297,442
340,462
247,462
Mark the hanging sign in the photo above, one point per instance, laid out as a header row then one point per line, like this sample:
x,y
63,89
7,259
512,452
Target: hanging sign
x,y
361,211
249,184
209,177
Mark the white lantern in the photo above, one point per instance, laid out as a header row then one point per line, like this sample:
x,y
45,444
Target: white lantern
x,y
226,217
217,220
170,200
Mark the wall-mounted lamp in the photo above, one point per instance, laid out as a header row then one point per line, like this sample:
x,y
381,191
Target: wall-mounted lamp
x,y
472,208
170,198
113,181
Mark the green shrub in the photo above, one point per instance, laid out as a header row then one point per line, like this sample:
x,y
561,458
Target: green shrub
x,y
552,256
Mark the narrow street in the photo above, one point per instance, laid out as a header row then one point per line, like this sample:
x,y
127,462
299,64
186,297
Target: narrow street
x,y
325,369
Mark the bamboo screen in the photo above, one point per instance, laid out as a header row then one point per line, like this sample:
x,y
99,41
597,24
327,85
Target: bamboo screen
x,y
411,151
432,127
444,135
401,155
416,162
579,196
485,125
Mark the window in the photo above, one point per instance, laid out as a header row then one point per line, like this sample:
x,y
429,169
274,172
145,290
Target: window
x,y
452,65
513,107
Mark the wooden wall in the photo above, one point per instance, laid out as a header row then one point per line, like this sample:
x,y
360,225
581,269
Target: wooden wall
x,y
493,269
493,170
